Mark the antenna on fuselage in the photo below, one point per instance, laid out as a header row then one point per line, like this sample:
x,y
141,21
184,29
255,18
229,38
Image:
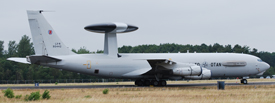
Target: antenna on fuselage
x,y
110,30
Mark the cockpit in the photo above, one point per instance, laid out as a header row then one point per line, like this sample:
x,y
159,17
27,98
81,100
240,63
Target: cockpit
x,y
259,60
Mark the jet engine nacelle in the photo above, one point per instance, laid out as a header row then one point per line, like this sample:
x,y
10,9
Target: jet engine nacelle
x,y
188,71
206,74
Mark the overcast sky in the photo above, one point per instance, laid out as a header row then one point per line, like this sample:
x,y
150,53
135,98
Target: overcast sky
x,y
244,22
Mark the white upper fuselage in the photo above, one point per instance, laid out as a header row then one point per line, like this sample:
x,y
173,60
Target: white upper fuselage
x,y
115,67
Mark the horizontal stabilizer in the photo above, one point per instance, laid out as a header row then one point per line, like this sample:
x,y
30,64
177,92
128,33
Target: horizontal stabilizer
x,y
36,59
20,60
137,72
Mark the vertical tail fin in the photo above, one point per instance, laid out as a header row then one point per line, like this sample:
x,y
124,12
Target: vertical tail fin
x,y
45,40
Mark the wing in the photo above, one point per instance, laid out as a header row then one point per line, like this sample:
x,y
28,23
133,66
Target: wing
x,y
160,66
169,67
153,63
156,62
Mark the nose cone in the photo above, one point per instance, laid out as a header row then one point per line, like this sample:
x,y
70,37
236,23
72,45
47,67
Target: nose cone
x,y
266,66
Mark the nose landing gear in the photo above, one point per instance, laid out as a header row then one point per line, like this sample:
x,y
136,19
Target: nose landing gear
x,y
244,81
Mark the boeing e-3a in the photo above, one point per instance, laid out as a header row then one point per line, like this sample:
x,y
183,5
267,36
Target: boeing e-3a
x,y
145,68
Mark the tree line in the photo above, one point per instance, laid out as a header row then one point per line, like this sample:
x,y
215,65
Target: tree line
x,y
17,71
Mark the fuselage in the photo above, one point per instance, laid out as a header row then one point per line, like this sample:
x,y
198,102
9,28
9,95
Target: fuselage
x,y
114,67
52,52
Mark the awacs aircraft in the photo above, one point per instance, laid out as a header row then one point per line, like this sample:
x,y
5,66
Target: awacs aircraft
x,y
145,68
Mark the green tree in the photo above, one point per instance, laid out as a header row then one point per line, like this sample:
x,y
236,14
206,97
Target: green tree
x,y
228,48
254,52
217,48
12,48
82,50
1,48
25,47
270,71
204,48
124,49
73,50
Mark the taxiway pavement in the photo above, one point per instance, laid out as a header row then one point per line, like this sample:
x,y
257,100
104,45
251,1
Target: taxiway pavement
x,y
131,86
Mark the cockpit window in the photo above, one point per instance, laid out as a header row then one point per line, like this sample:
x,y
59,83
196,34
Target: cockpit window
x,y
259,60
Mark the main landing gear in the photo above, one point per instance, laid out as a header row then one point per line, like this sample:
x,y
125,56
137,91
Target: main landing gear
x,y
152,82
244,81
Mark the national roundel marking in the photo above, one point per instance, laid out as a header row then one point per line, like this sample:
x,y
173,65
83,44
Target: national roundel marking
x,y
50,32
